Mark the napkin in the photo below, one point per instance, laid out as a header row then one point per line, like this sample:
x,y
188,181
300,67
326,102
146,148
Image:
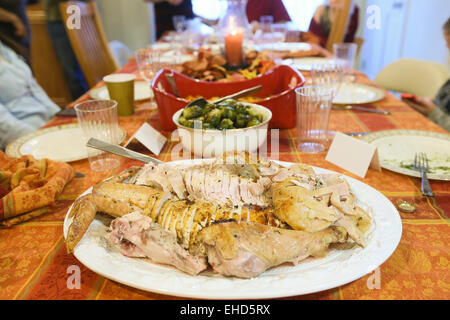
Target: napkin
x,y
28,187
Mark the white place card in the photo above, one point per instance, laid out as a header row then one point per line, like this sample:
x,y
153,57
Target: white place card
x,y
353,155
150,138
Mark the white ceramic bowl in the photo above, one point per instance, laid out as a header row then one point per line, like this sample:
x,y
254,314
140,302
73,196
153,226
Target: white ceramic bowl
x,y
210,143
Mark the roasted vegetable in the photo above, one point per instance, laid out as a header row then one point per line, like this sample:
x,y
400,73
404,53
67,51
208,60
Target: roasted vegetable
x,y
228,114
192,112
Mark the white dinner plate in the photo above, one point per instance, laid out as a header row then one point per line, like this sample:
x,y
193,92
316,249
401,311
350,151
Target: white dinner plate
x,y
52,143
142,91
283,46
174,57
305,64
312,275
397,148
170,44
356,93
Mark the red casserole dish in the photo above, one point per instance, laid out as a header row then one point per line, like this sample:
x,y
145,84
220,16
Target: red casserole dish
x,y
278,88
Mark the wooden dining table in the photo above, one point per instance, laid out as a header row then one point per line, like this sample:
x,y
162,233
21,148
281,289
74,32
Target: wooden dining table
x,y
34,263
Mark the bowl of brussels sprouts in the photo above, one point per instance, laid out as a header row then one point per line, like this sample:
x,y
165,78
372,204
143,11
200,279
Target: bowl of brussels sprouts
x,y
214,128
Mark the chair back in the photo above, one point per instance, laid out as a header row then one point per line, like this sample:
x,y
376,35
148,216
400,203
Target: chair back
x,y
338,27
419,77
89,42
44,60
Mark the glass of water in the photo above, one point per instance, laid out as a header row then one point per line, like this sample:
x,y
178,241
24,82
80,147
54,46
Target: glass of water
x,y
149,63
329,74
313,115
98,119
346,54
266,23
179,23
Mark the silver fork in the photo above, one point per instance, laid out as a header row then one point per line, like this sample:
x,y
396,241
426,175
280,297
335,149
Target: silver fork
x,y
421,164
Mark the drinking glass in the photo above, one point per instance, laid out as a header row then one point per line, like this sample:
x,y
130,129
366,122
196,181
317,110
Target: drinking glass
x,y
149,63
179,23
266,23
346,53
329,74
313,115
98,119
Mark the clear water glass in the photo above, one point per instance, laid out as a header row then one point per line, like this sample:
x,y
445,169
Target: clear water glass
x,y
179,23
266,23
313,115
149,63
329,74
98,119
346,53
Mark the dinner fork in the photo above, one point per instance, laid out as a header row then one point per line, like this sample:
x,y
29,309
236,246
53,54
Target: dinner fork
x,y
421,164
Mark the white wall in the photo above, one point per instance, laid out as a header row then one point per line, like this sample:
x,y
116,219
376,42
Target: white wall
x,y
423,38
410,29
127,21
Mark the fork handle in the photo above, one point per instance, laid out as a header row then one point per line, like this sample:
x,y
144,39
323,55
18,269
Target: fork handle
x,y
426,188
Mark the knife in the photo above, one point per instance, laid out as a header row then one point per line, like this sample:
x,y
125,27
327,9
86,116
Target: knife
x,y
68,112
121,151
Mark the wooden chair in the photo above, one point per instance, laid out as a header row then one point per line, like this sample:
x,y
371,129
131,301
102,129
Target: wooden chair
x,y
43,59
359,42
89,42
337,32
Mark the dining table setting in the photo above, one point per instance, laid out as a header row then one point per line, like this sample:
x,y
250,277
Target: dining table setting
x,y
337,157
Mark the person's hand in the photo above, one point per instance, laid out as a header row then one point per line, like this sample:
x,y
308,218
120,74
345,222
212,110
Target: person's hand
x,y
422,105
21,30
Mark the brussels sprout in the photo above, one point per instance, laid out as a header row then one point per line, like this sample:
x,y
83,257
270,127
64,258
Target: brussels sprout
x,y
226,124
192,112
241,108
229,113
241,120
185,122
253,122
214,117
255,114
207,108
188,123
182,120
229,102
206,125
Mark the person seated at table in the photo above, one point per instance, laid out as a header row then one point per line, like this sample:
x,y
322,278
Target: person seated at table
x,y
324,17
166,9
14,26
257,8
438,110
71,68
24,106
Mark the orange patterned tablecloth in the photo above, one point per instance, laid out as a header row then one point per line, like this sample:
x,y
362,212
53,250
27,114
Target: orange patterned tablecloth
x,y
34,263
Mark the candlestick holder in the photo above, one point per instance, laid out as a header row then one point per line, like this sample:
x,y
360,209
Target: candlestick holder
x,y
232,33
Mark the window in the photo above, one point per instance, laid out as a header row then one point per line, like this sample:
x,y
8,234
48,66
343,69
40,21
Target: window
x,y
300,11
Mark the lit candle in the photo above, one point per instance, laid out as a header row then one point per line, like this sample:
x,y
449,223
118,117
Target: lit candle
x,y
233,47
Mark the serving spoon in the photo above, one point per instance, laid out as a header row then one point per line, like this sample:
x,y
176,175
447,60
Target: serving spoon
x,y
349,107
171,80
201,102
